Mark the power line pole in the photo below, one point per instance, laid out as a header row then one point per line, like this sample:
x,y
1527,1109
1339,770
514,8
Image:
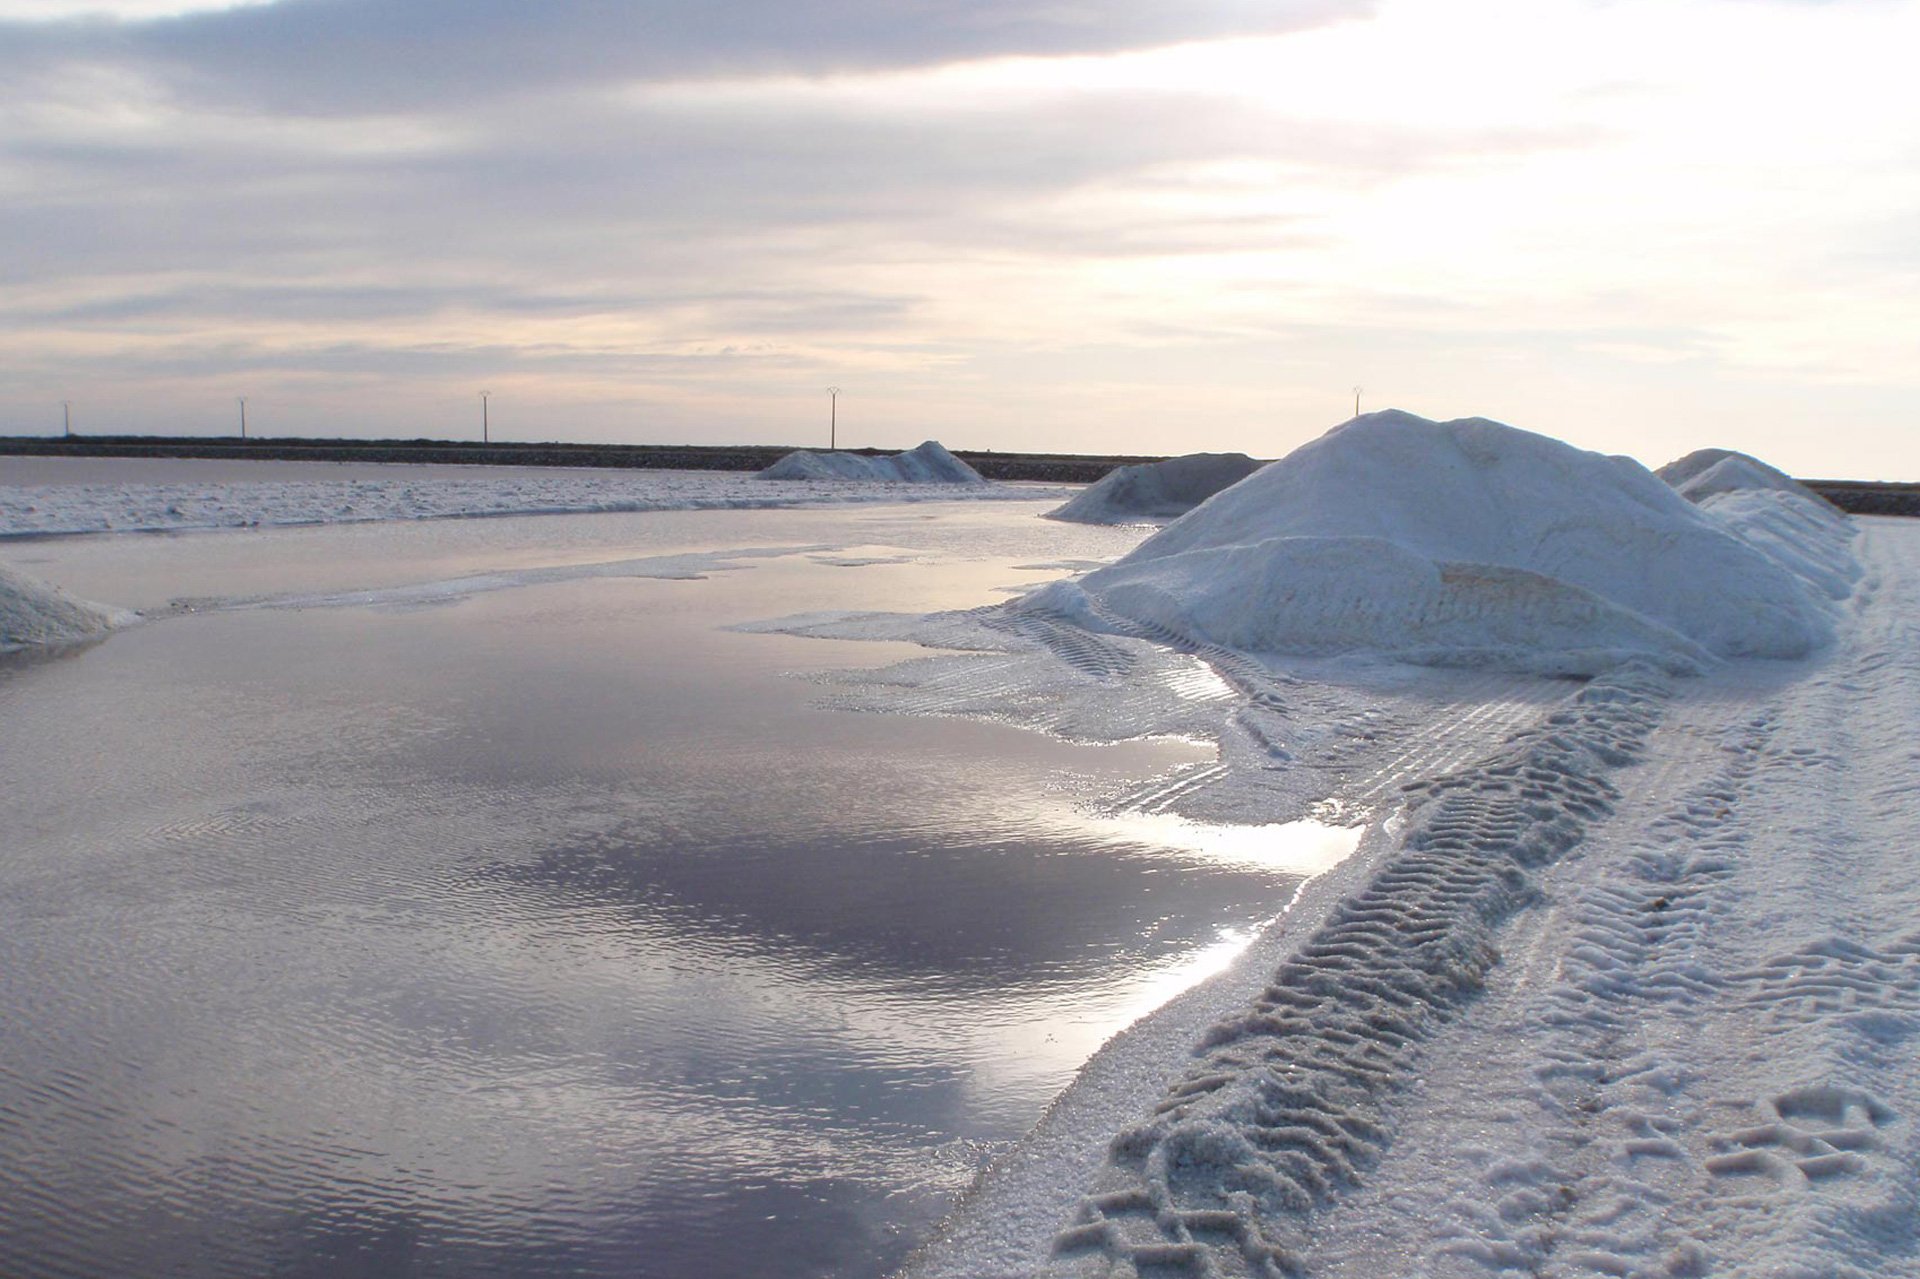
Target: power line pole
x,y
833,417
486,430
243,416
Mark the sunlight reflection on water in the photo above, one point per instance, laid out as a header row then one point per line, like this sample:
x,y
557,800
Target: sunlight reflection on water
x,y
1304,847
552,932
1050,1034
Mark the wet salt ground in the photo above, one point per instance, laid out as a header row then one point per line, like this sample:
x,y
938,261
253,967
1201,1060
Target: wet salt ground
x,y
551,931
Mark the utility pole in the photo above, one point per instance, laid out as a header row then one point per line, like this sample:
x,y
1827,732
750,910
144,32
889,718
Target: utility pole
x,y
66,417
833,417
243,416
486,432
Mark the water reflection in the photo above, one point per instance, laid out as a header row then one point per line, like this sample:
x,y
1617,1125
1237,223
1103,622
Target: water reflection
x,y
549,933
943,912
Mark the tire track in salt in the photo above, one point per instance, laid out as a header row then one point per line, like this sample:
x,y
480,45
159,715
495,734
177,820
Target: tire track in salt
x,y
1288,1105
1597,1147
1163,796
1445,745
1704,1064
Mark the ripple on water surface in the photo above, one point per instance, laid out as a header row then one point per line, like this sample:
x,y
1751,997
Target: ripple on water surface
x,y
548,933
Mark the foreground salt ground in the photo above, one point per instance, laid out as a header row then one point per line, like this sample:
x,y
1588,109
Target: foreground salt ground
x,y
1697,1055
1625,979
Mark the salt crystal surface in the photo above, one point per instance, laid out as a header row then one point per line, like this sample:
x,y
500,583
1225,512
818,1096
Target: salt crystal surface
x,y
36,614
1773,513
931,463
1465,542
1156,490
1704,472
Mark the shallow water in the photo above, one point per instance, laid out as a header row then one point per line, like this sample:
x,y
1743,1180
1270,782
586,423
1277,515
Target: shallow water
x,y
550,930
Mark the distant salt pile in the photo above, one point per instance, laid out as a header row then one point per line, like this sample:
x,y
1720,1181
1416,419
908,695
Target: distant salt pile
x,y
1704,472
1156,490
1772,512
928,464
37,614
1453,543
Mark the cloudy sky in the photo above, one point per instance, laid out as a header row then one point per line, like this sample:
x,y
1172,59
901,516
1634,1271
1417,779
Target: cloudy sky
x,y
1077,225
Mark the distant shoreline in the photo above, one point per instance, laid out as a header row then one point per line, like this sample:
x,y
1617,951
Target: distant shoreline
x,y
1858,497
1053,468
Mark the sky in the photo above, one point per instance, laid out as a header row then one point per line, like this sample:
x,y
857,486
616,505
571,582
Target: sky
x,y
1084,226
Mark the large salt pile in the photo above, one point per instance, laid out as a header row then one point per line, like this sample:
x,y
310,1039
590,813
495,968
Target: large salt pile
x,y
1464,542
1772,512
1156,490
928,464
37,614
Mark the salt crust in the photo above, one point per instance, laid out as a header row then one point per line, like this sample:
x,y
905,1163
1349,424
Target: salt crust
x,y
424,493
1468,543
1156,491
37,614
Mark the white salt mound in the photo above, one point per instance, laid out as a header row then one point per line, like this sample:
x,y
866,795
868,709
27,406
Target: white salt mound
x,y
36,614
1330,595
1808,536
1156,490
1464,542
1772,512
931,463
1704,472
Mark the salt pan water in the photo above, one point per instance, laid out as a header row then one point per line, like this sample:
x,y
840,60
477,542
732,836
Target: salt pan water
x,y
549,929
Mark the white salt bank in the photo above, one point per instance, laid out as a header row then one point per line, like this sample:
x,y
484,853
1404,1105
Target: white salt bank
x,y
1156,491
37,614
1455,543
931,463
1772,512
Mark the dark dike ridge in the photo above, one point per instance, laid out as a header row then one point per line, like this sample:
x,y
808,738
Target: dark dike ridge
x,y
1859,497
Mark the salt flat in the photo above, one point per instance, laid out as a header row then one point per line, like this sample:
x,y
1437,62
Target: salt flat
x,y
1623,979
92,495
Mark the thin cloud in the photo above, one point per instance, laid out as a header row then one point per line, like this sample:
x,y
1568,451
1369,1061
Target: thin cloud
x,y
356,56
